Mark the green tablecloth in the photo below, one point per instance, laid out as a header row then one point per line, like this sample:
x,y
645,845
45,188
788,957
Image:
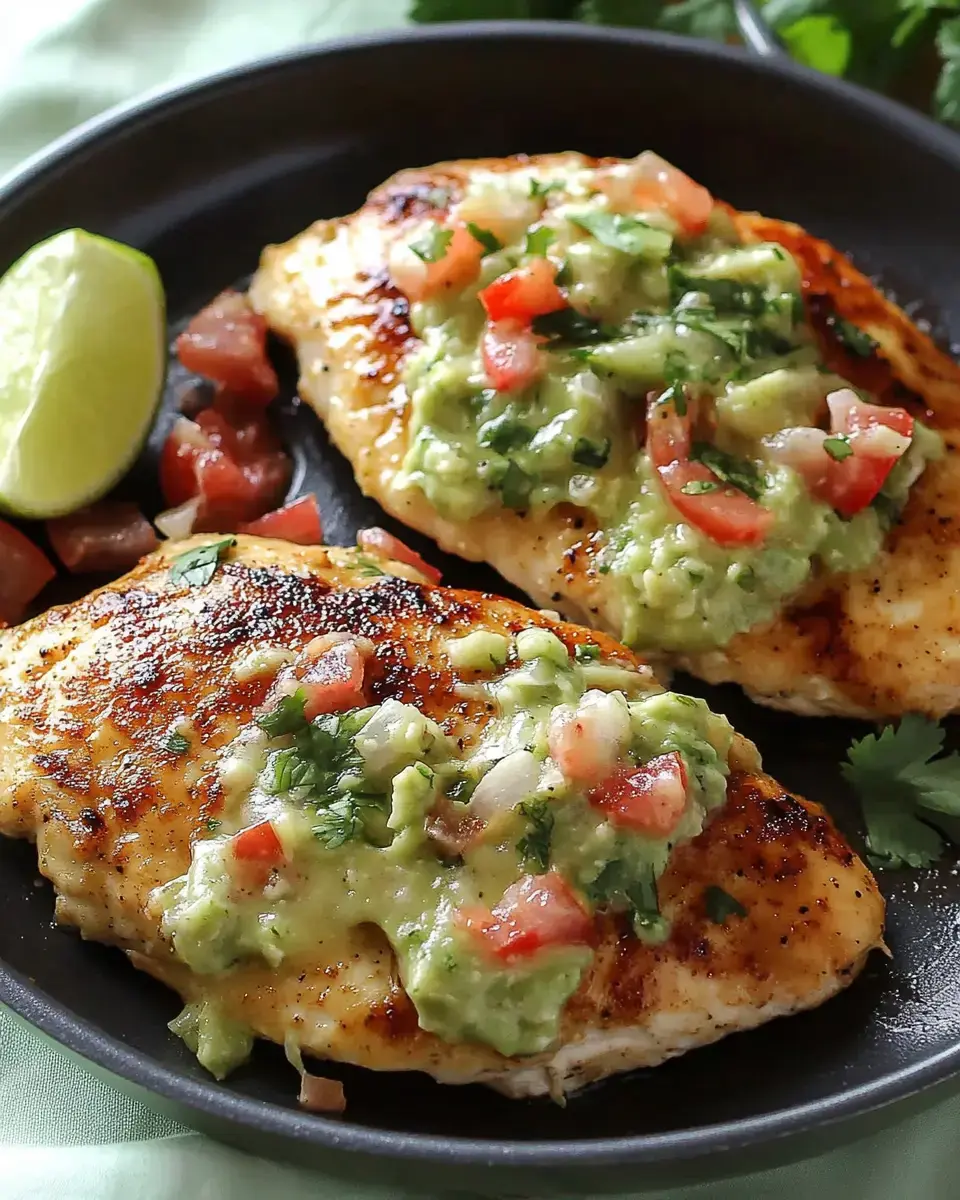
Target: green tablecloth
x,y
62,1132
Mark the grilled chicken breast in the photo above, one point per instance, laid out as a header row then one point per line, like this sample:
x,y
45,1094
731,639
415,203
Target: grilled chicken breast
x,y
90,692
876,642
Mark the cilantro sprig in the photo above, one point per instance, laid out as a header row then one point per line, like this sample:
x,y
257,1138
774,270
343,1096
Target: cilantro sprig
x,y
907,788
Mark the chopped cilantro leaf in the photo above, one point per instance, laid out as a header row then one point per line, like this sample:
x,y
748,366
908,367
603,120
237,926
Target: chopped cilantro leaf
x,y
724,295
699,487
587,453
538,189
338,823
213,824
617,889
625,234
903,786
489,241
515,487
838,446
586,652
197,567
367,567
538,240
176,743
738,472
287,717
720,905
570,328
433,246
534,846
504,433
854,339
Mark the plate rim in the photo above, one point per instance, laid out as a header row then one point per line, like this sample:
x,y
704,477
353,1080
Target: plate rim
x,y
86,1039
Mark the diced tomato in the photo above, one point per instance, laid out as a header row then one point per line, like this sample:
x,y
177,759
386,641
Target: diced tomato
x,y
110,536
650,799
535,912
511,355
528,292
334,681
226,342
726,515
298,522
24,572
238,472
258,851
662,185
378,541
876,437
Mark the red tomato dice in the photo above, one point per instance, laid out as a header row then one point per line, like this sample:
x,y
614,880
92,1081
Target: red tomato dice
x,y
24,572
377,541
226,342
529,291
334,681
649,799
297,522
511,356
110,536
535,912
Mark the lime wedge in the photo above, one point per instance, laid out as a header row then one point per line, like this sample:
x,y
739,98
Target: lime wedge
x,y
82,362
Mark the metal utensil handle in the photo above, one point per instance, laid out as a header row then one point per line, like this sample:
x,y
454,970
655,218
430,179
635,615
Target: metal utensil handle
x,y
757,35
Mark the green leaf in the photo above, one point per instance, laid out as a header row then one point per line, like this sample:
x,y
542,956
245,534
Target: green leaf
x,y
626,234
489,241
338,823
821,42
738,472
902,786
586,652
720,905
176,743
643,14
570,328
535,845
539,189
855,339
713,19
699,487
947,97
538,240
433,245
838,446
197,567
725,295
515,487
587,453
287,717
504,433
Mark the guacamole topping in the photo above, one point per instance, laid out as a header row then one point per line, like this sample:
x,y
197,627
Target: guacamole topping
x,y
598,298
483,859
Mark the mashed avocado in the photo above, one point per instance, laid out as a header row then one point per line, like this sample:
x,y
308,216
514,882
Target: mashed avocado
x,y
652,310
351,798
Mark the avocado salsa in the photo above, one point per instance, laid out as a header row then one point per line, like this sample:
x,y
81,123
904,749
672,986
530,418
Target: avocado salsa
x,y
382,818
654,314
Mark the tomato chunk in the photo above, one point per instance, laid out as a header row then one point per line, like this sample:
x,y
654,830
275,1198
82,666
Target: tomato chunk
x,y
528,292
24,573
298,522
110,536
535,912
665,186
511,355
226,342
726,515
378,541
454,268
650,799
259,843
334,681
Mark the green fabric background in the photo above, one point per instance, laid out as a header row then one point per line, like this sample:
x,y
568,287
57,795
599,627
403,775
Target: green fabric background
x,y
62,1132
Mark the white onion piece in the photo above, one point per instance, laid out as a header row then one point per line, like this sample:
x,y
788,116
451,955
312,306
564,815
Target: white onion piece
x,y
506,213
841,404
189,433
507,782
880,442
178,523
802,449
587,742
319,1094
320,645
408,272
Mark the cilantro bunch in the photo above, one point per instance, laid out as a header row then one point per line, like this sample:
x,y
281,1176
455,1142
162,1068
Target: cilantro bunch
x,y
882,44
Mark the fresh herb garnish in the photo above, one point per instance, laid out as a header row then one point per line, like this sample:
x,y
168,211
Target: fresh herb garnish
x,y
539,240
287,717
724,295
838,446
339,823
534,846
851,336
176,743
699,487
586,652
433,246
738,472
625,234
720,905
504,433
905,789
587,453
515,486
213,824
615,887
367,567
567,327
489,241
197,567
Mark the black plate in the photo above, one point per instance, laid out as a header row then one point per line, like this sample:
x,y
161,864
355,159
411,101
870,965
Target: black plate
x,y
201,178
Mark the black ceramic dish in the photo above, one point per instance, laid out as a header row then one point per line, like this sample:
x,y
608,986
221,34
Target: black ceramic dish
x,y
201,178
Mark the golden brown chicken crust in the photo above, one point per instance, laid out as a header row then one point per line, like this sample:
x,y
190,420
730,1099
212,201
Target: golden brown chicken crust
x,y
89,692
879,642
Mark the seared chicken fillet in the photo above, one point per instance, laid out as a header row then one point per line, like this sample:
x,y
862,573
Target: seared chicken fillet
x,y
90,692
877,641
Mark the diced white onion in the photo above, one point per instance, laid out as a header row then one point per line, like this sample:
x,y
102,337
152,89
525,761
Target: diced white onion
x,y
881,442
841,404
319,1094
177,523
507,782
